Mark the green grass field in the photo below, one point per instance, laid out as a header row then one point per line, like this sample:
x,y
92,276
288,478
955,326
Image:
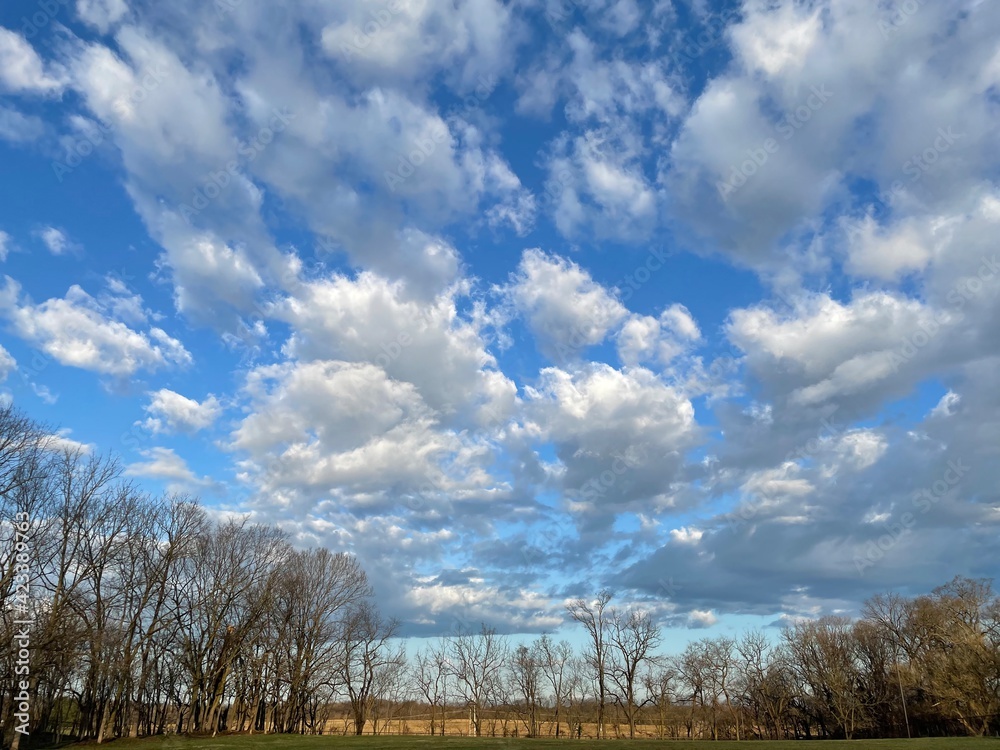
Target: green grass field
x,y
395,742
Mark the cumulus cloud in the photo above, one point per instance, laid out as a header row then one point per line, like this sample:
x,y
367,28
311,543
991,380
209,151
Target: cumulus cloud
x,y
61,441
163,464
333,429
824,82
82,331
777,41
171,412
828,351
887,254
566,309
22,70
644,338
101,14
598,183
619,436
468,39
424,343
214,282
701,618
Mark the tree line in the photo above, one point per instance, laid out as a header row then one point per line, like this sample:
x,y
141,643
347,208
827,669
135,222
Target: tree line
x,y
148,615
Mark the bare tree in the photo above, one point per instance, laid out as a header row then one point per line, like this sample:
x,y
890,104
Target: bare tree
x,y
431,676
366,651
219,600
592,616
633,638
391,690
25,463
525,677
83,493
313,591
719,653
479,659
693,672
764,682
554,660
660,682
824,655
579,691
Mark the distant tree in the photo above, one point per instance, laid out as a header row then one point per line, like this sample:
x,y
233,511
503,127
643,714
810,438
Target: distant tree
x,y
633,638
431,677
313,590
554,660
660,682
365,653
478,660
525,678
591,614
824,654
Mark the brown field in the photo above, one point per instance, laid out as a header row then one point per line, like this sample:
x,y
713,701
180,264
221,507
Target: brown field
x,y
460,727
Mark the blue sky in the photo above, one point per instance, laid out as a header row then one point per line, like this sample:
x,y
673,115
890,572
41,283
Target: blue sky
x,y
516,300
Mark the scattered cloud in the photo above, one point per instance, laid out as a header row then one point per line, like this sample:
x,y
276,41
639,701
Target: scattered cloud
x,y
85,332
57,241
171,412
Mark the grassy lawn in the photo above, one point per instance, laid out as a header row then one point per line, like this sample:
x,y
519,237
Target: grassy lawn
x,y
394,742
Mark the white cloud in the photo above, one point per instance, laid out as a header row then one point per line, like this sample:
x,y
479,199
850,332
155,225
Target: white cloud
x,y
7,364
599,407
781,485
700,618
57,241
605,89
644,338
620,436
159,109
860,448
845,95
565,308
61,441
424,343
45,394
777,41
213,281
165,465
101,14
409,41
80,331
171,412
6,245
516,206
415,161
21,69
685,535
335,429
947,405
520,609
18,127
598,184
597,179
884,254
824,349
